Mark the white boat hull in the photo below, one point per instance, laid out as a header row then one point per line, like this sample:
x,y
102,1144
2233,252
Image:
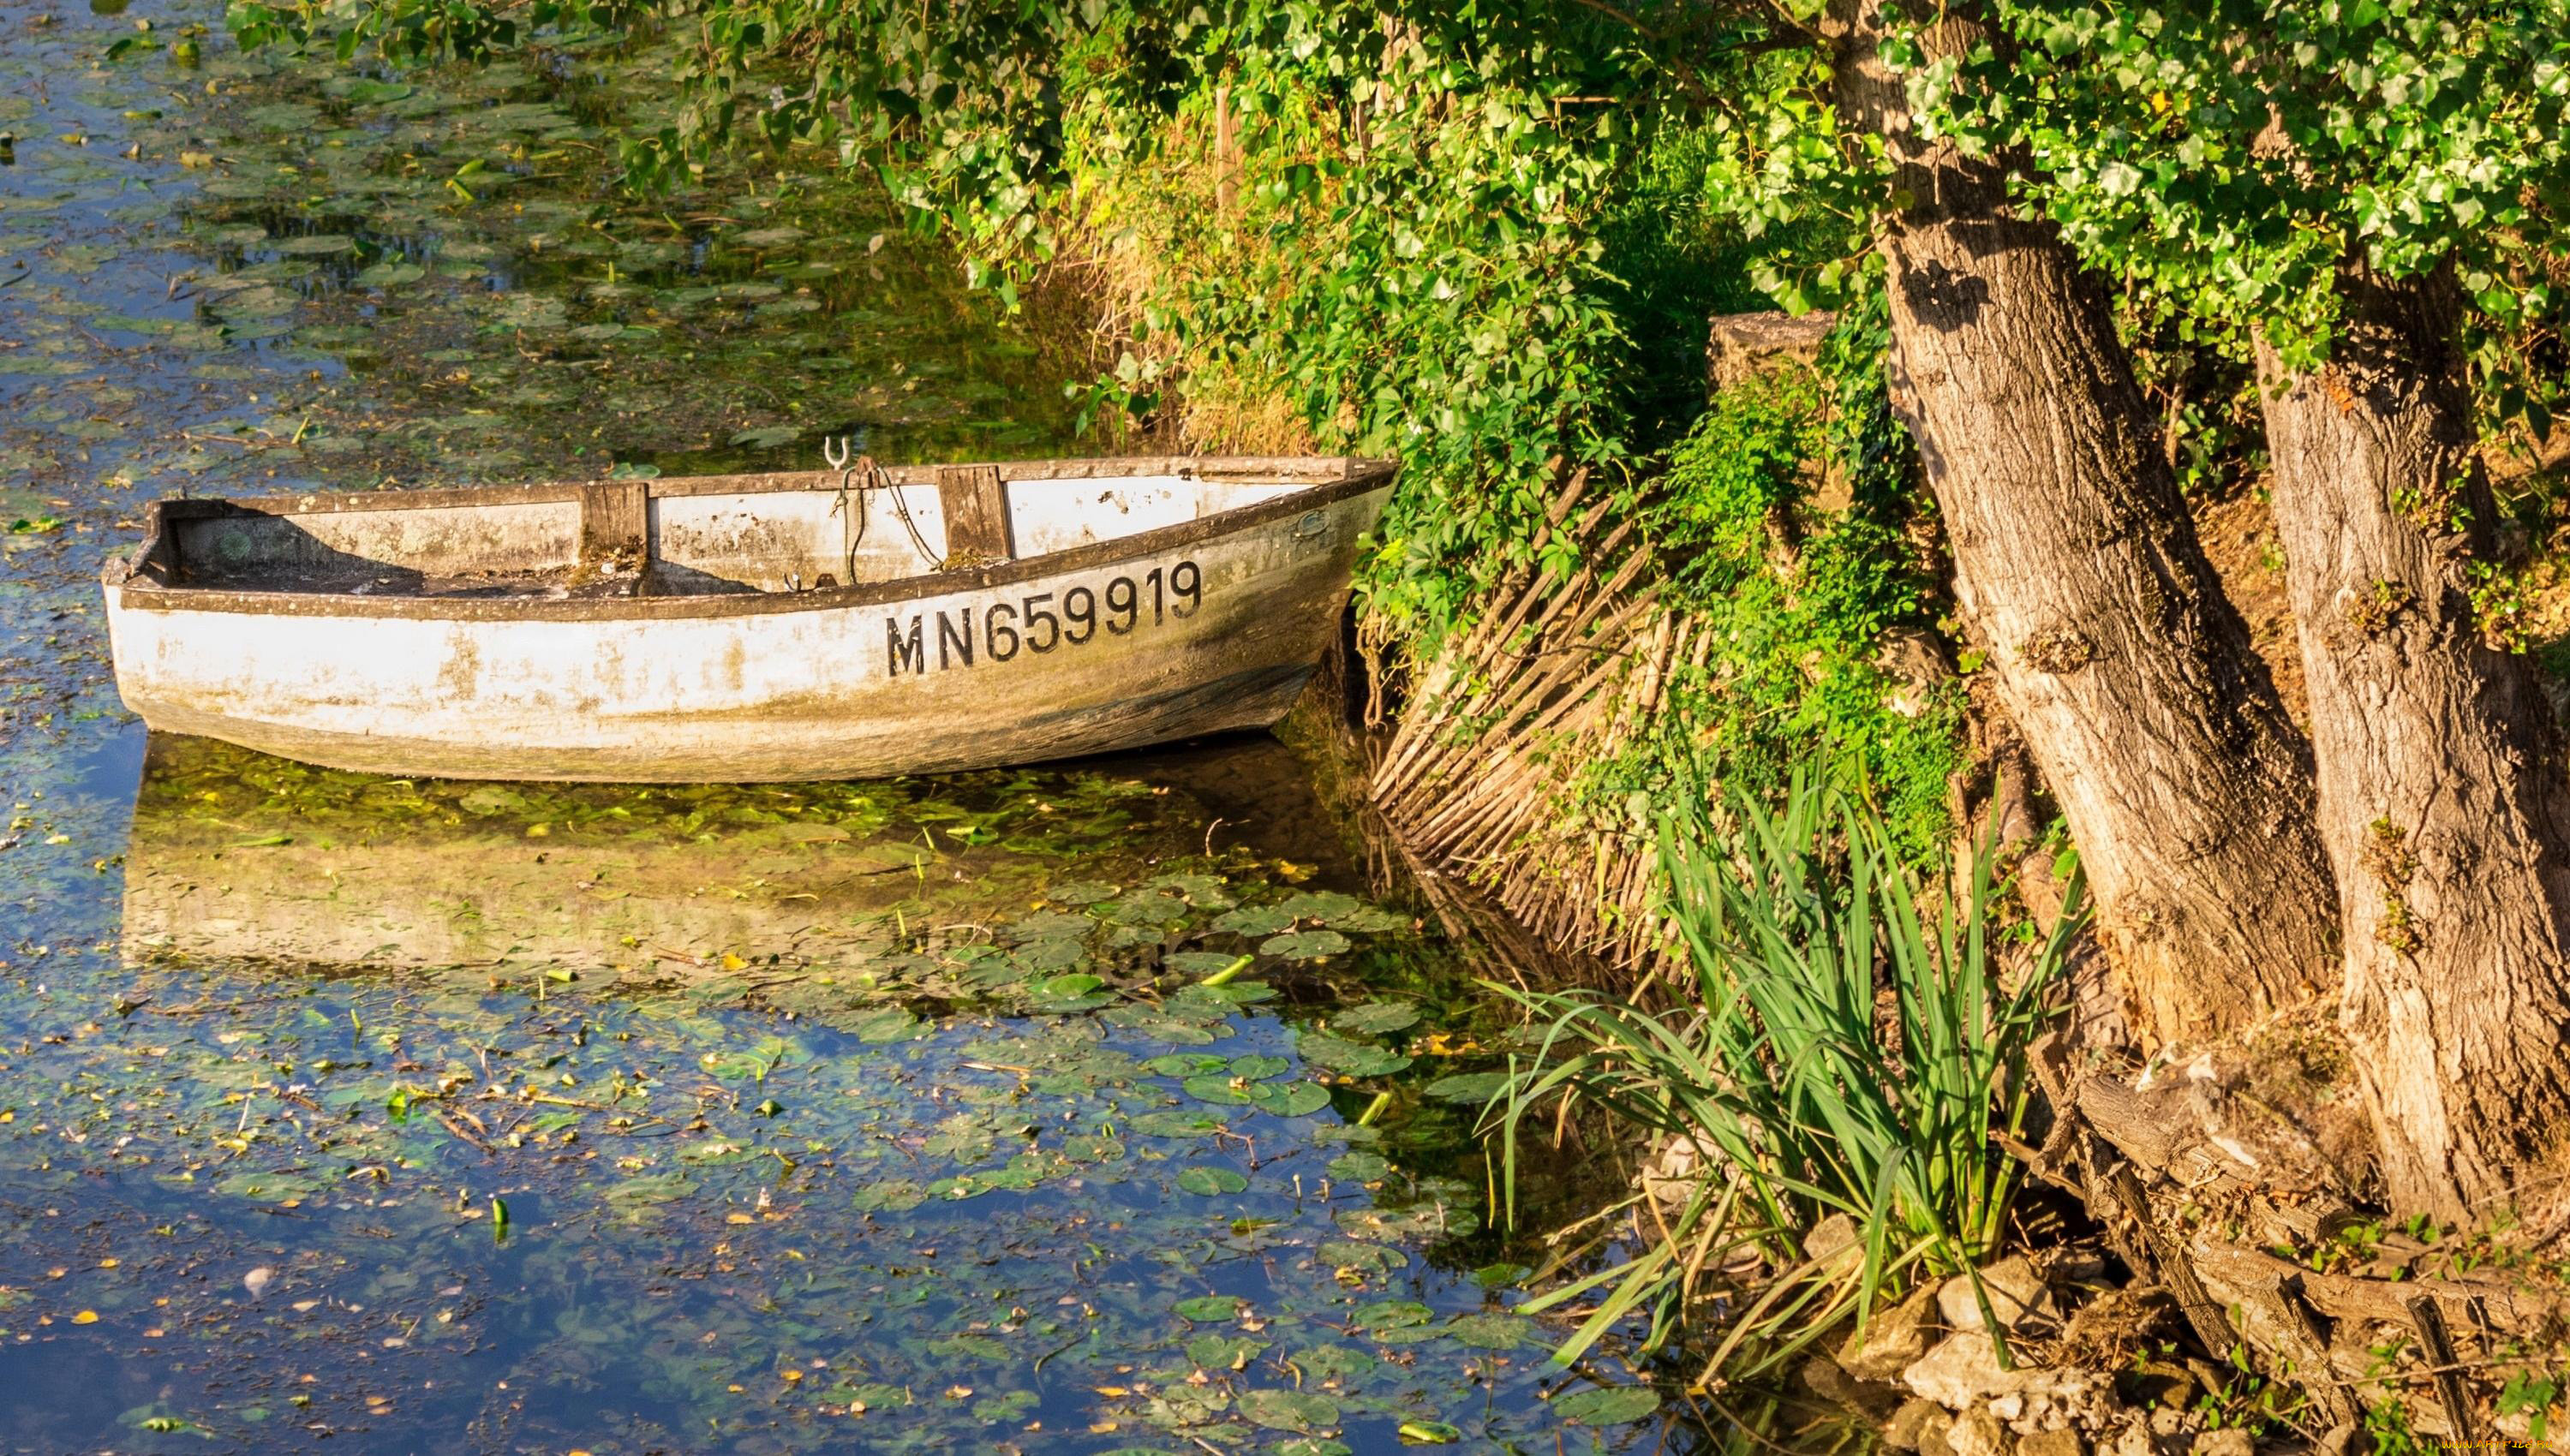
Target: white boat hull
x,y
1178,631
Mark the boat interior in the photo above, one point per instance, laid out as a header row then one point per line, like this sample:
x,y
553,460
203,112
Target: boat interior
x,y
699,537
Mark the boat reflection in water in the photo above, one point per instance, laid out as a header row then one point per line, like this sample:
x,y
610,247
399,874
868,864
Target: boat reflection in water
x,y
239,857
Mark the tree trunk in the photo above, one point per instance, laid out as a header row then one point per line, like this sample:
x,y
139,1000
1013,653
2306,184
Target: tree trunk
x,y
2442,797
2078,571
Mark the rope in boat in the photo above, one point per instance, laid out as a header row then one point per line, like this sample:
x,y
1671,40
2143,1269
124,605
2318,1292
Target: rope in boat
x,y
851,514
841,456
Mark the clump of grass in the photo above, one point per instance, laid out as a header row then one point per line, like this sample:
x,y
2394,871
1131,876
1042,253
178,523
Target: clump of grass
x,y
1805,1096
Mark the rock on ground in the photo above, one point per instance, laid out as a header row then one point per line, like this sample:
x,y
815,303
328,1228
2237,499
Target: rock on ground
x,y
2015,1291
1892,1340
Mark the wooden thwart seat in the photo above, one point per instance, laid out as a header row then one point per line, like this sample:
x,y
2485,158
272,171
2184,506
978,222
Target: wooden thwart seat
x,y
614,525
976,508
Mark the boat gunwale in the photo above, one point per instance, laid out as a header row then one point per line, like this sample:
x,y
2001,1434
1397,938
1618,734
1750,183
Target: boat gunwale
x,y
1357,476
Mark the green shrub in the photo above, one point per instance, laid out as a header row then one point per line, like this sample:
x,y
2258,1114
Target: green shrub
x,y
1817,1101
1788,668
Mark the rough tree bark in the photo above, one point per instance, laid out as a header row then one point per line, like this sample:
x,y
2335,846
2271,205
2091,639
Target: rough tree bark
x,y
2442,797
2076,566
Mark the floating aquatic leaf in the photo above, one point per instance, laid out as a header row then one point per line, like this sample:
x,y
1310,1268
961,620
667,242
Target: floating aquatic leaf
x,y
1217,1087
1607,1405
649,1190
366,91
274,1188
1469,1088
1092,1148
491,799
887,1023
1256,920
1375,1258
1208,1182
1186,1064
1491,1331
1353,1058
1199,963
390,275
1205,1308
1358,1166
1205,892
1403,1225
1391,1315
1223,1351
1289,1099
315,243
1374,1018
1328,906
1060,954
1183,1124
1304,945
971,1346
1290,1411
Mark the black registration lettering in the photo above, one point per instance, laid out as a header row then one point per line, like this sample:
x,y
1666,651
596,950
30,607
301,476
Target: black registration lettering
x,y
1000,641
949,637
903,651
1038,623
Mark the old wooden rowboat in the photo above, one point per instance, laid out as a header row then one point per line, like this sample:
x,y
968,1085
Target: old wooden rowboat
x,y
835,624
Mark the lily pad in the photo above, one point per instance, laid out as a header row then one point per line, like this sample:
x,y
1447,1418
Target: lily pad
x,y
315,243
1289,1099
1254,919
1206,1181
893,1195
1358,1166
1291,1410
1197,963
1186,1064
1607,1406
1223,1351
1391,1315
765,437
1329,907
1355,1058
1216,1087
1304,945
1470,1088
1491,1331
1374,1018
366,91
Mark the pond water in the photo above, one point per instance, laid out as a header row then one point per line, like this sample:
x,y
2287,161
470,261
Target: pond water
x,y
1098,1107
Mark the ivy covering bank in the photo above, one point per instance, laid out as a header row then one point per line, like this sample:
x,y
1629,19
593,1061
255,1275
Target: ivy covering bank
x,y
1484,240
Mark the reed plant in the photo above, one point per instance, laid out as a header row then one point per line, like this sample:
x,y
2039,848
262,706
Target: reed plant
x,y
1848,1046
